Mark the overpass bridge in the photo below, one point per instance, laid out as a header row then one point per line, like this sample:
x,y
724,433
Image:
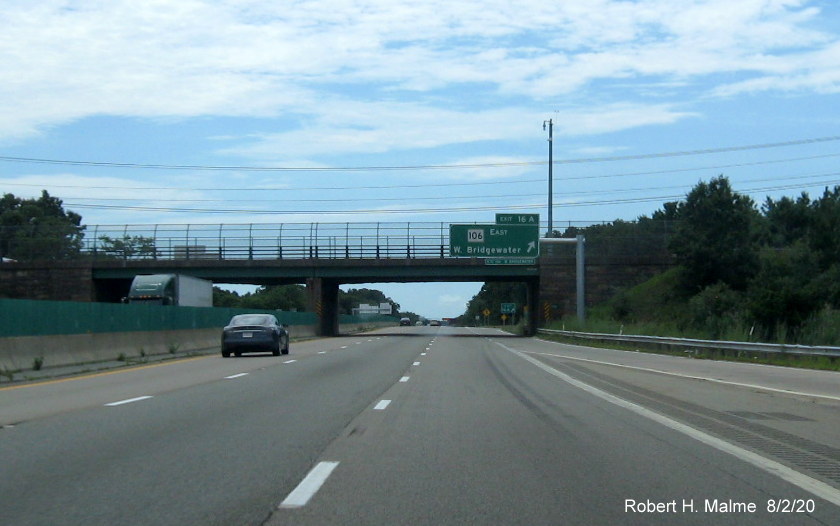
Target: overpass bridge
x,y
321,255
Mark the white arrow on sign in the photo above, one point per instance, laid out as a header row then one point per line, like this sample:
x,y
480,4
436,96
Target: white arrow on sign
x,y
532,246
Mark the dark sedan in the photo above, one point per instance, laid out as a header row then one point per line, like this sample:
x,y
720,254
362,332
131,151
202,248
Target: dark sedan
x,y
253,333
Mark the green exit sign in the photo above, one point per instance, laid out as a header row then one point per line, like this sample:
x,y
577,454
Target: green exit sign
x,y
494,241
518,219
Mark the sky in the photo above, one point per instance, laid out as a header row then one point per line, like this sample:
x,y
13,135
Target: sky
x,y
208,112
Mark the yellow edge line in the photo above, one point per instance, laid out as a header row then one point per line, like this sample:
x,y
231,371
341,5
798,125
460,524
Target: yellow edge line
x,y
126,369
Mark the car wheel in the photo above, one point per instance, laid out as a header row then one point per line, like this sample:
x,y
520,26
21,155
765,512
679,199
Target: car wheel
x,y
276,350
225,354
286,347
238,354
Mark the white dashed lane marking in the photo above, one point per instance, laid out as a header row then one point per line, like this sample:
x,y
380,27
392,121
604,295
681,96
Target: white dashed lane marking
x,y
309,486
130,400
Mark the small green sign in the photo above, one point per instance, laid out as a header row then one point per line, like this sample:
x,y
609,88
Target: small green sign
x,y
518,219
508,308
489,241
510,261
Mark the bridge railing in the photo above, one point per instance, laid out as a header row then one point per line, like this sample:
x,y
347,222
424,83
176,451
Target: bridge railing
x,y
269,241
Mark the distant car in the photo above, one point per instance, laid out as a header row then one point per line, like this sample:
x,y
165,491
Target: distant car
x,y
254,333
405,321
434,323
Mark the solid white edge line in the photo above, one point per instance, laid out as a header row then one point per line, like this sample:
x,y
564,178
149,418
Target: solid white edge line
x,y
309,486
130,400
231,377
691,377
382,405
817,488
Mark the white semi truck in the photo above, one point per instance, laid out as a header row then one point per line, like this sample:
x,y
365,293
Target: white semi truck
x,y
171,289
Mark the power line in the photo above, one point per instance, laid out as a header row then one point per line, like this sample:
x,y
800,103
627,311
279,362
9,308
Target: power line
x,y
450,197
425,185
706,151
659,198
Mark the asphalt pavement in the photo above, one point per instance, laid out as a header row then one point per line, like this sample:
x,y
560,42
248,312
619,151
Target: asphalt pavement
x,y
422,425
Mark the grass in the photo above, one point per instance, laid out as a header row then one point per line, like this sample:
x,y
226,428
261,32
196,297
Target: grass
x,y
657,308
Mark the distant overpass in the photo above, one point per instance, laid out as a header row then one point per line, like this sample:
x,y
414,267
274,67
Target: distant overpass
x,y
321,255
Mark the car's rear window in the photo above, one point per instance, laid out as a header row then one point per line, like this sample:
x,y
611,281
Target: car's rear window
x,y
250,319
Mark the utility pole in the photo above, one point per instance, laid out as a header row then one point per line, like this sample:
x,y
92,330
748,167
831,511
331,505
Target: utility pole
x,y
550,177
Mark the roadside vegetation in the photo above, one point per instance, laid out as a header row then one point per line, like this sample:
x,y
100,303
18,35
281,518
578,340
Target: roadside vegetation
x,y
742,273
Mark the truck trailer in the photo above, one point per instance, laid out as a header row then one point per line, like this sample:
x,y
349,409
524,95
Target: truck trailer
x,y
171,289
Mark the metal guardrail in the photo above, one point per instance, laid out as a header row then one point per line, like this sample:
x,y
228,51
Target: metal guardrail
x,y
688,344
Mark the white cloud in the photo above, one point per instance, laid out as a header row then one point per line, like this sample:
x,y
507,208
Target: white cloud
x,y
257,58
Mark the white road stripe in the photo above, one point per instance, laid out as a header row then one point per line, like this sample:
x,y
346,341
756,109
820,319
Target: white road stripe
x,y
290,361
343,346
240,375
382,405
404,379
820,489
130,400
309,486
422,354
322,352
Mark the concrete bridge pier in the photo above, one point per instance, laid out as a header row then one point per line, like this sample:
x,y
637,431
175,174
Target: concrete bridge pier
x,y
532,305
323,300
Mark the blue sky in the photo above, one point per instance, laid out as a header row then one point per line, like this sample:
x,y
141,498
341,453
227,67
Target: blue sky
x,y
341,84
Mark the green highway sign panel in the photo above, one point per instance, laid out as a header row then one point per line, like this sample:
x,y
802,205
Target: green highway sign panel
x,y
508,308
510,261
494,241
518,219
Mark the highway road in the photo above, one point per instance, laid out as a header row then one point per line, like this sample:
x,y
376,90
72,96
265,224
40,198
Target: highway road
x,y
422,426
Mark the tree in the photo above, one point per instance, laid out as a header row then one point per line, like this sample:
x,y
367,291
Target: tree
x,y
823,235
788,220
491,296
715,238
226,298
276,297
128,247
32,229
784,294
347,301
